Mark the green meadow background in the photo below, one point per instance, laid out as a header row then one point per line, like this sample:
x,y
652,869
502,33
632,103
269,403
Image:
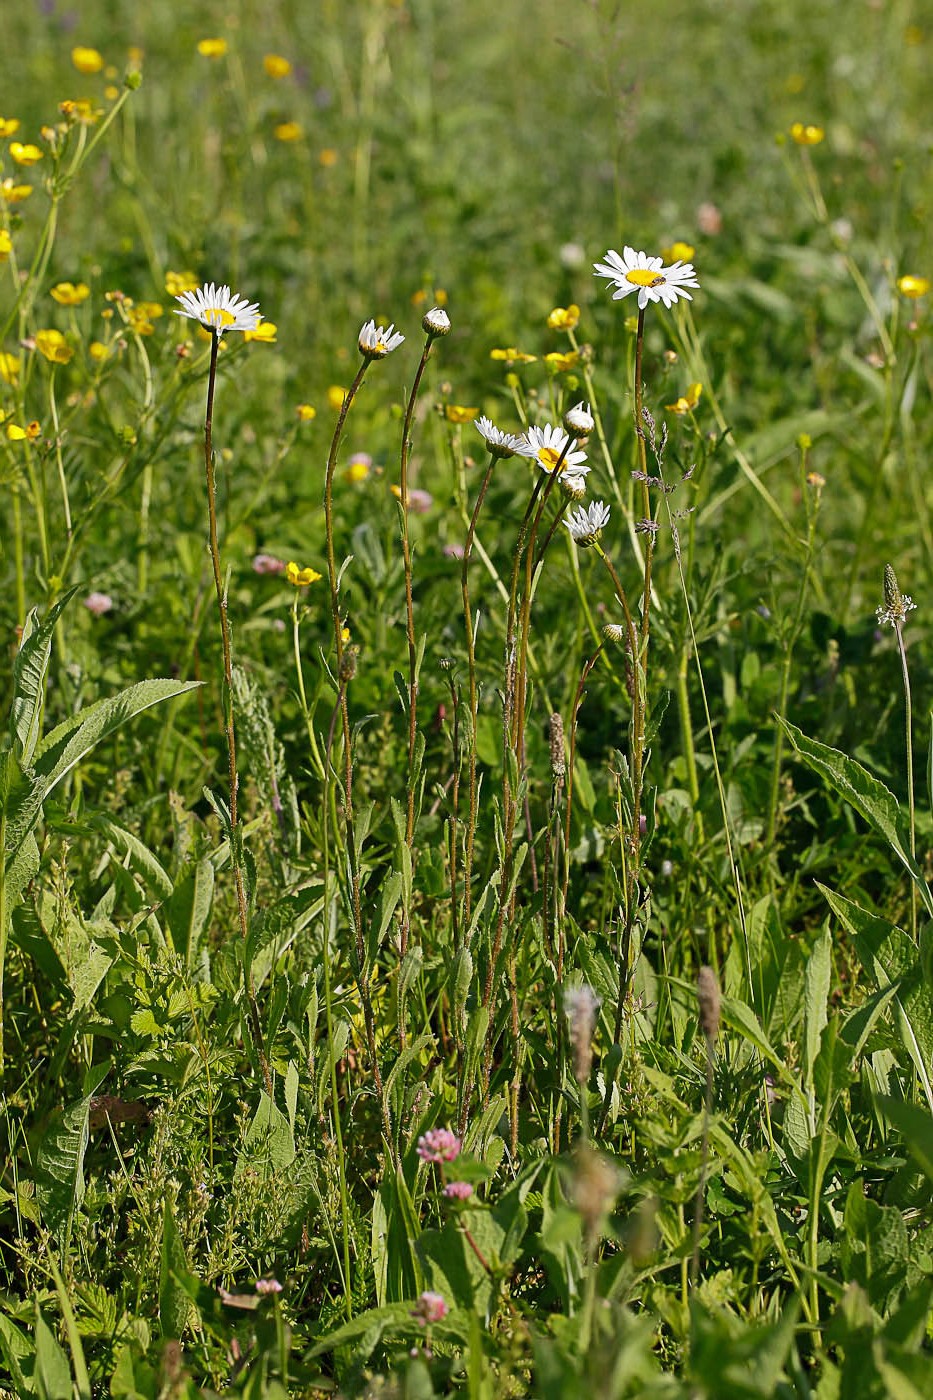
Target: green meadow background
x,y
742,1211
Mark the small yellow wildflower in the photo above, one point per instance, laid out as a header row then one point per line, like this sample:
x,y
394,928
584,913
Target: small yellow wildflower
x,y
336,396
912,286
98,350
511,356
53,345
806,135
10,366
9,126
25,155
70,293
357,472
288,131
178,282
678,252
344,634
305,412
138,321
14,193
87,60
300,578
17,434
815,479
80,110
264,333
212,48
459,413
558,363
328,157
564,318
149,309
6,244
688,401
276,66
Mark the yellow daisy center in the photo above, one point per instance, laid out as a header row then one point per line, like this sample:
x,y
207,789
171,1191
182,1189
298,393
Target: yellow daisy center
x,y
216,316
548,457
644,277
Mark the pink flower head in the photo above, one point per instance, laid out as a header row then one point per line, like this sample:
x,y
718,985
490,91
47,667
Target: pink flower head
x,y
268,564
439,1145
98,603
454,551
458,1190
268,1285
431,1308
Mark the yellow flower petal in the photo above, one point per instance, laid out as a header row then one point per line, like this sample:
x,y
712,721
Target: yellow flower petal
x,y
276,66
53,346
8,127
178,282
10,366
212,48
70,293
305,412
6,244
459,413
288,131
264,333
913,287
300,578
86,60
806,135
678,252
25,155
564,318
336,396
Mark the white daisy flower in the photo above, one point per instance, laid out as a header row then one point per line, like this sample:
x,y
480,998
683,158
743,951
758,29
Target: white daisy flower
x,y
637,272
218,309
377,341
549,445
500,444
587,524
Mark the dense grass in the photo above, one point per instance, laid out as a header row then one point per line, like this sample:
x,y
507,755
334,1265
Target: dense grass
x,y
639,925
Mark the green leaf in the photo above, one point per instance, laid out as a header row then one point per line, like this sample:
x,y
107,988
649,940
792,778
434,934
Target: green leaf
x,y
52,1374
14,1348
870,798
60,1165
188,909
816,993
146,865
270,1144
174,1303
742,1018
915,1126
29,671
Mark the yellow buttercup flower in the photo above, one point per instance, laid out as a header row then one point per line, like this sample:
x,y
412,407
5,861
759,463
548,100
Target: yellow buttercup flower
x,y
328,157
344,634
458,413
178,282
6,244
288,131
264,333
111,92
913,287
678,252
357,471
806,135
53,345
688,401
17,434
276,66
212,48
10,366
305,412
14,193
87,60
558,363
564,318
70,293
9,126
25,155
511,356
80,110
98,350
300,578
336,396
138,319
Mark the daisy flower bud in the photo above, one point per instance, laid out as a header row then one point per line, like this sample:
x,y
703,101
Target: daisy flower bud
x,y
579,420
435,322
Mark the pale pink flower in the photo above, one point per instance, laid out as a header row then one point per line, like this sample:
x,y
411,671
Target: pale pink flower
x,y
268,564
709,219
430,1308
98,603
458,1190
439,1145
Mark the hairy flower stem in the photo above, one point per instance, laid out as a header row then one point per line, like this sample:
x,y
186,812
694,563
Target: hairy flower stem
x,y
236,854
352,854
474,694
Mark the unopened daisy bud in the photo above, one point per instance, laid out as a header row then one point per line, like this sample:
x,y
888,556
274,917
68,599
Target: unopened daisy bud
x,y
435,322
581,1005
614,632
896,604
587,524
556,743
708,997
579,420
573,487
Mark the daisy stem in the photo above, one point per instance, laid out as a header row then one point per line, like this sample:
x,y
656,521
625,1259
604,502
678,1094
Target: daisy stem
x,y
344,670
908,720
474,694
235,839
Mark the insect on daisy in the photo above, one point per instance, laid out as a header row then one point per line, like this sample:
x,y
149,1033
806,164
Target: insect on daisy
x,y
218,309
637,272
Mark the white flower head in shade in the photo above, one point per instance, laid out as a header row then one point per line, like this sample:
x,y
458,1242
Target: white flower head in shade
x,y
587,524
549,445
637,272
436,321
218,309
579,419
378,341
500,444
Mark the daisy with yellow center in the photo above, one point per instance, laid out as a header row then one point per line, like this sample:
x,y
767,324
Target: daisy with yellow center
x,y
300,578
218,309
70,293
376,342
648,276
553,451
687,402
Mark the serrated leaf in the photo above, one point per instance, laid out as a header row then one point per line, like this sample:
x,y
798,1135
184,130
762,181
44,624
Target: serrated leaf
x,y
30,668
174,1303
269,1144
816,991
60,1165
915,1125
188,909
